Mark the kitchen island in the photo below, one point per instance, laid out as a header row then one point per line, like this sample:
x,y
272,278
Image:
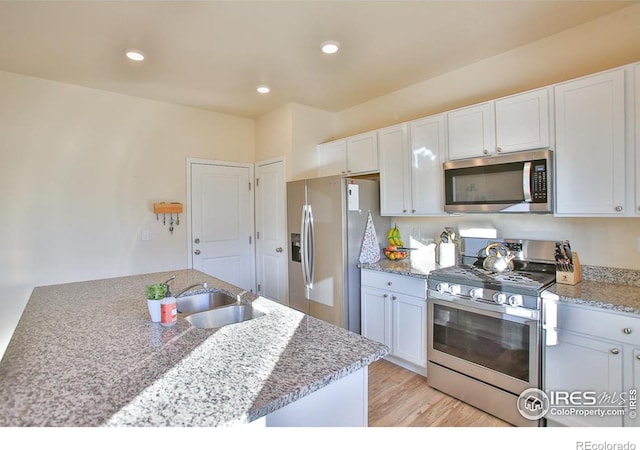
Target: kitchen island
x,y
87,354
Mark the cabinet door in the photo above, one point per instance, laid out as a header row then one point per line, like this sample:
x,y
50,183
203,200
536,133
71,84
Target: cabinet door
x,y
590,145
362,153
427,155
522,121
633,420
409,328
395,187
580,363
332,158
376,314
471,131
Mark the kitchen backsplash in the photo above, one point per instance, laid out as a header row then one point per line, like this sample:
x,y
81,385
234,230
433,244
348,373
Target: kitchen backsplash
x,y
600,242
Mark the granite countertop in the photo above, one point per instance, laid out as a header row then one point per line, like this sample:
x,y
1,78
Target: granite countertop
x,y
87,354
402,267
602,287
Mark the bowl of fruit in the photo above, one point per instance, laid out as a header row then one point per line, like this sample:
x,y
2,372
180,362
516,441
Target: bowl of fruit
x,y
395,253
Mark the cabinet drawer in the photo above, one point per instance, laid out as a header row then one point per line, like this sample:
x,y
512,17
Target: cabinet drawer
x,y
403,284
619,327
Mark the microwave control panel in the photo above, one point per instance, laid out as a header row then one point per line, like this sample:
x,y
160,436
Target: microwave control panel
x,y
539,181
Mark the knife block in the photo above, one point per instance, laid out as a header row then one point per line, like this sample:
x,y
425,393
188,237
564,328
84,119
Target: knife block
x,y
570,277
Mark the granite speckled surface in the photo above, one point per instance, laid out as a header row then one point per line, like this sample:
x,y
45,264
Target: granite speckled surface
x,y
402,267
87,354
601,287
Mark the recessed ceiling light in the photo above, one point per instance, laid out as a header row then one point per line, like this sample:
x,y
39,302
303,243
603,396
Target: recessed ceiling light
x,y
330,47
263,89
135,55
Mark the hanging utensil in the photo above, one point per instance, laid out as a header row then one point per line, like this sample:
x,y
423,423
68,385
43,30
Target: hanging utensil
x,y
177,219
171,224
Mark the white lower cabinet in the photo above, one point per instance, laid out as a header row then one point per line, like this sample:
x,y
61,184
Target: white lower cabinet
x,y
394,312
590,366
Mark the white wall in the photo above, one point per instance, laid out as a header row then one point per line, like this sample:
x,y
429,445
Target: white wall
x,y
605,242
79,172
293,131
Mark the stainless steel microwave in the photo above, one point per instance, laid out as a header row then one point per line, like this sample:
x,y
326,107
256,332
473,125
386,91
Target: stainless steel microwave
x,y
519,182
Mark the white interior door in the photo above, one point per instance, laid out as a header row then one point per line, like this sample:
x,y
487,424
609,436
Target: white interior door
x,y
271,231
221,236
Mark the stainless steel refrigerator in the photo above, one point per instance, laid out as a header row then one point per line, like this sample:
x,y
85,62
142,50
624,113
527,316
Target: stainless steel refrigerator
x,y
326,220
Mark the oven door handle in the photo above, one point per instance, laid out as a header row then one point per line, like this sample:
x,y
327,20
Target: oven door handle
x,y
489,309
550,323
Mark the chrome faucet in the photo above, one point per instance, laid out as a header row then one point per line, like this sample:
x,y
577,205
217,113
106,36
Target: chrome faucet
x,y
204,285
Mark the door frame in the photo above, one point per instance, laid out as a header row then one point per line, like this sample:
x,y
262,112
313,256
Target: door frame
x,y
212,162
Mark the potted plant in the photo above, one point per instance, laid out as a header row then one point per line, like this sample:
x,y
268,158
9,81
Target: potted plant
x,y
155,293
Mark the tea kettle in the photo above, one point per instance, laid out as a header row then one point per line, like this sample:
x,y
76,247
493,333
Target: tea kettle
x,y
498,258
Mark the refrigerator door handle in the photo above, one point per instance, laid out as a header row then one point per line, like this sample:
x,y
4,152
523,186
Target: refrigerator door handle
x,y
312,248
303,245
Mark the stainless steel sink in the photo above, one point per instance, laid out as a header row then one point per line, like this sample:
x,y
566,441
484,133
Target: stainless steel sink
x,y
189,304
225,315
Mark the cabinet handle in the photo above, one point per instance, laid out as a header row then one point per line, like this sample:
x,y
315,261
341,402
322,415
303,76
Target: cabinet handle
x,y
627,330
404,210
499,150
485,151
385,295
393,297
615,351
638,356
618,208
413,210
389,283
197,252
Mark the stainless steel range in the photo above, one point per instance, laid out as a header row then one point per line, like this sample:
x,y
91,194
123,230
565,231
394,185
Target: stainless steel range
x,y
484,327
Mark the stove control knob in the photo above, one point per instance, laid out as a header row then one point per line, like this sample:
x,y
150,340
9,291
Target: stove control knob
x,y
454,289
515,300
442,287
499,298
475,293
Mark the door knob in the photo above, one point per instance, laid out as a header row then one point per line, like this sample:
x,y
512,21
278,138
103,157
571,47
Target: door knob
x,y
279,250
196,240
197,252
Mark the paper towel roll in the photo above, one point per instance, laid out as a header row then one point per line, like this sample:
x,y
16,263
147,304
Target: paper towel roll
x,y
447,254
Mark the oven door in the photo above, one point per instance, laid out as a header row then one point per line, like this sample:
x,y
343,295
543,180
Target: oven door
x,y
496,348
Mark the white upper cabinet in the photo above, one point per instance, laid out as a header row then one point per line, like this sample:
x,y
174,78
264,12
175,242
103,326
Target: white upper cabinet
x,y
411,157
590,145
427,144
522,121
510,124
395,182
362,153
351,156
471,131
332,158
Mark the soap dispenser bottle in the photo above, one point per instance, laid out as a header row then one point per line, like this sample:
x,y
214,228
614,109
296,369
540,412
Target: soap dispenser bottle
x,y
168,309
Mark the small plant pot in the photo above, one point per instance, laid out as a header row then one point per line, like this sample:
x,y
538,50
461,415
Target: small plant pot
x,y
154,309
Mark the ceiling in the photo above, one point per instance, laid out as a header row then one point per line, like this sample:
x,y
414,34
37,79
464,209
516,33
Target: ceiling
x,y
213,54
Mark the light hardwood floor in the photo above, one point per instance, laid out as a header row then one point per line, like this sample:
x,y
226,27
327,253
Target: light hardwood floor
x,y
401,398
